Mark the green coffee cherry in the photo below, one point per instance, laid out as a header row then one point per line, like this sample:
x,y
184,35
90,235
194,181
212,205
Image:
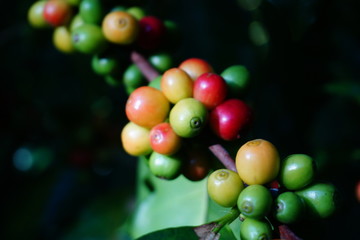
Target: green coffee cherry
x,y
88,39
133,78
236,78
166,167
91,11
253,229
255,201
289,207
321,199
224,187
104,65
297,171
188,117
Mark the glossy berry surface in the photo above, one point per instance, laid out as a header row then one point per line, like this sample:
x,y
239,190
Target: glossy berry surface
x,y
230,118
195,67
176,85
236,78
224,187
164,140
135,139
57,12
162,61
257,162
289,208
166,167
210,89
297,171
132,78
103,65
35,15
252,229
321,199
88,39
255,201
147,107
120,27
188,117
91,11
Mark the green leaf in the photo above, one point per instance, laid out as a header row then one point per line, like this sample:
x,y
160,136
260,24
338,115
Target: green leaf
x,y
171,203
172,234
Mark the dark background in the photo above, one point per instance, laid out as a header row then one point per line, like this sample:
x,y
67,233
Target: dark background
x,y
304,65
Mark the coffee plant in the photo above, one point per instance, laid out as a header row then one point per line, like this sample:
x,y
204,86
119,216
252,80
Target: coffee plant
x,y
214,120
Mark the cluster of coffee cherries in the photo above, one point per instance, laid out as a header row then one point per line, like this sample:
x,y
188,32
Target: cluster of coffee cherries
x,y
268,190
106,33
171,118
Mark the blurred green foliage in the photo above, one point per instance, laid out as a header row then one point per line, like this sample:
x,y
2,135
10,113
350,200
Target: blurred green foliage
x,y
303,58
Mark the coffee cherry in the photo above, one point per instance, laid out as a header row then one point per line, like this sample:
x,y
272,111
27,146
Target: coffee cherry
x,y
297,171
135,139
88,39
156,83
253,229
137,12
255,201
164,140
120,27
230,118
176,85
188,117
147,107
62,39
194,67
236,78
104,64
35,15
224,187
210,89
91,11
197,164
132,78
161,61
151,32
257,162
57,12
76,21
166,167
321,199
289,207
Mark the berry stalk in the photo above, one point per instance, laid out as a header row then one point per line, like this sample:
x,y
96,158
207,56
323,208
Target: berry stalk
x,y
145,67
224,157
227,219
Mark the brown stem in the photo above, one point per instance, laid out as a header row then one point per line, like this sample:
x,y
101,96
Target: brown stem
x,y
145,67
223,156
